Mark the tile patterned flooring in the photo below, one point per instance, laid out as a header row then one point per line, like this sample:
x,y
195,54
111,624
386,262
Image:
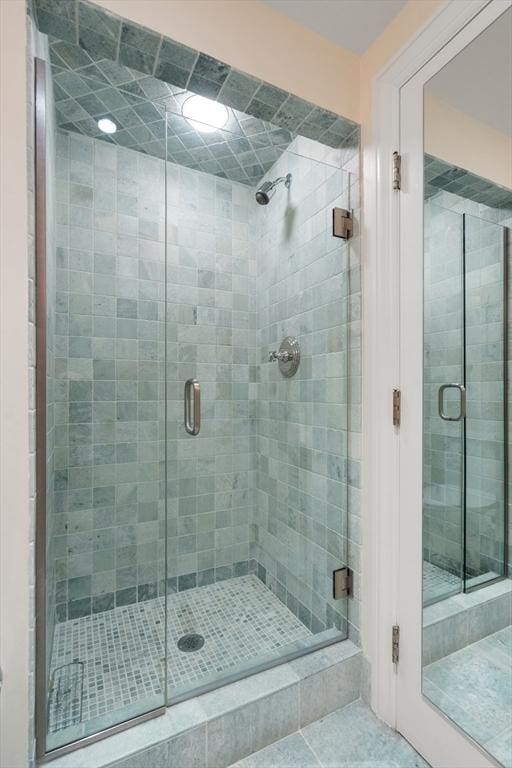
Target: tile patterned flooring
x,y
351,737
473,687
111,660
438,583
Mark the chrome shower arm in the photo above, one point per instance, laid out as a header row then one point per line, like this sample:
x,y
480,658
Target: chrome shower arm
x,y
287,180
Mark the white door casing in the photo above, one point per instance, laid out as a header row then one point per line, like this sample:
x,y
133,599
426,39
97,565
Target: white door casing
x,y
393,357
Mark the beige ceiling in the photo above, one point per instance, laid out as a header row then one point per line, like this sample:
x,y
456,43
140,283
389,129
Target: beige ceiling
x,y
351,24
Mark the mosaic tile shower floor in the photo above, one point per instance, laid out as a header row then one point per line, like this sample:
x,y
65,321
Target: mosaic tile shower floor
x,y
438,583
473,687
111,660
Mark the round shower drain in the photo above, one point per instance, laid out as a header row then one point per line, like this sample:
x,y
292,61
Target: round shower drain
x,y
190,643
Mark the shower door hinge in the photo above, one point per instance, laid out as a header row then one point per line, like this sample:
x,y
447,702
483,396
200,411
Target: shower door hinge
x,y
342,223
397,407
341,583
395,644
397,171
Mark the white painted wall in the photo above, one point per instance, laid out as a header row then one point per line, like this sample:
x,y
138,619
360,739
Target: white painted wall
x,y
461,140
256,39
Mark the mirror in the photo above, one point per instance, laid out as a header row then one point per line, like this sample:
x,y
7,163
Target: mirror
x,y
467,598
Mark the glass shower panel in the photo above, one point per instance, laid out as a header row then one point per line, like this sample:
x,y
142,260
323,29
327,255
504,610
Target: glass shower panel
x,y
443,471
257,499
486,417
105,494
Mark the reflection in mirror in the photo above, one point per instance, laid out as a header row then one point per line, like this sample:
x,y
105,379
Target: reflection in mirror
x,y
467,593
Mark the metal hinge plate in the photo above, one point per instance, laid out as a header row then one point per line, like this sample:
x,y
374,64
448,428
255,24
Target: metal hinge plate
x,y
397,407
395,644
342,223
341,583
397,171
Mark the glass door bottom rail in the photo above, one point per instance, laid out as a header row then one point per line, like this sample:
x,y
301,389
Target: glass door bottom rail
x,y
232,623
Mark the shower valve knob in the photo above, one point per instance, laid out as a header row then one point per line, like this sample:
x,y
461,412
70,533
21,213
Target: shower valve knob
x,y
281,357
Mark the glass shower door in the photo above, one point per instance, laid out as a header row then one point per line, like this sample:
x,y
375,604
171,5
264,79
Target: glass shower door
x,y
485,274
465,403
443,431
257,497
101,499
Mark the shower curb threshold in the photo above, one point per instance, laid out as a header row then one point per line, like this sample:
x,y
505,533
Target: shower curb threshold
x,y
218,728
464,619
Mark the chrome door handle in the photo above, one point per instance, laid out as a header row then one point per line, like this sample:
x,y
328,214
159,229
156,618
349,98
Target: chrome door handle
x,y
440,402
192,393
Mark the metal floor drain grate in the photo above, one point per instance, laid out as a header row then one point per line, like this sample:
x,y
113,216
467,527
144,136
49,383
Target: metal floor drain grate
x,y
190,643
65,696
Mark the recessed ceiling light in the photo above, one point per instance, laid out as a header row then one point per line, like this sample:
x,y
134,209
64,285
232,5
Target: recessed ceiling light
x,y
204,114
106,125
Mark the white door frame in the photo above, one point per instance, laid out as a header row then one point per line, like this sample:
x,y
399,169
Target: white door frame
x,y
391,502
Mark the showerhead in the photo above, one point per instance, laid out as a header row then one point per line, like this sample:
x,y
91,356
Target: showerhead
x,y
267,190
264,193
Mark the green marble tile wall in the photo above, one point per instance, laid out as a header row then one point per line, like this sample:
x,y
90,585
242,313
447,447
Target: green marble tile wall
x,y
112,324
211,326
109,543
110,354
308,470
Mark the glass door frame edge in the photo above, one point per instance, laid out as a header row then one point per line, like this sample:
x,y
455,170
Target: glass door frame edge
x,y
507,253
40,384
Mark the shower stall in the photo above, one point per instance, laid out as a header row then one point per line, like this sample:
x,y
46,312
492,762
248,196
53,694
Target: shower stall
x,y
198,375
466,517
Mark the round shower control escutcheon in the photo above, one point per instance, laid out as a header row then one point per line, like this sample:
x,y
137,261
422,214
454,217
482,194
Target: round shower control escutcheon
x,y
289,356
